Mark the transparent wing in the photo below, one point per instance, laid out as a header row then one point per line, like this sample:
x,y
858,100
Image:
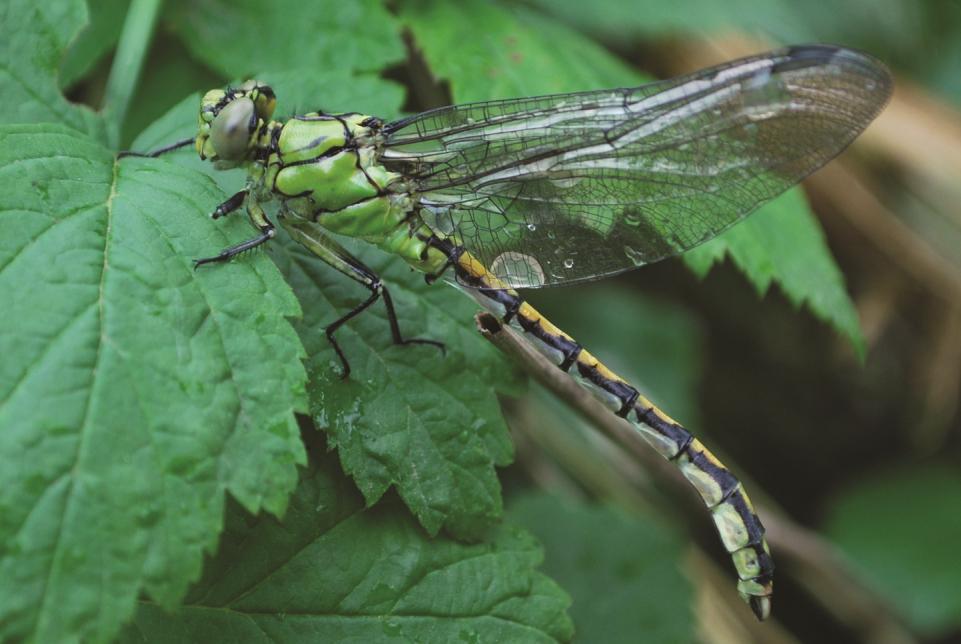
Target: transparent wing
x,y
572,187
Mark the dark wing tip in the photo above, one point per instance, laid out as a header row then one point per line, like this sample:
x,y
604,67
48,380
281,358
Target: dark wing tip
x,y
877,77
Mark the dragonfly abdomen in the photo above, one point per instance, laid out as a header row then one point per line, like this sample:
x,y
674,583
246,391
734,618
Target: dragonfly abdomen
x,y
739,527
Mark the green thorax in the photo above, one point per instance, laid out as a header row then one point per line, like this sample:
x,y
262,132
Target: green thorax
x,y
324,169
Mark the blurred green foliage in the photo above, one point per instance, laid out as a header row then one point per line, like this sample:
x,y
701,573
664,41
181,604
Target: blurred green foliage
x,y
902,529
621,572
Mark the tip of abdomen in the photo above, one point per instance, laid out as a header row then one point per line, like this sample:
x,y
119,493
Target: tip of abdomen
x,y
761,607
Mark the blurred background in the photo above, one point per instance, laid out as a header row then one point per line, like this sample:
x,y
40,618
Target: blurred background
x,y
861,458
853,463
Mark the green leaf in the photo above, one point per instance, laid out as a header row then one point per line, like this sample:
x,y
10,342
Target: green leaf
x,y
622,572
94,41
486,52
170,73
627,22
336,572
241,37
902,529
301,90
34,36
782,242
890,23
408,416
134,391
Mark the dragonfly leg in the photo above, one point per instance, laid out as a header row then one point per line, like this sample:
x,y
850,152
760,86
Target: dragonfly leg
x,y
377,290
336,324
259,220
430,278
156,153
452,258
229,205
340,258
267,233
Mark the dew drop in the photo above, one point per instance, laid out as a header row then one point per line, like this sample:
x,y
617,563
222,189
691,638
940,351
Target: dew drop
x,y
531,227
568,263
518,270
636,256
632,217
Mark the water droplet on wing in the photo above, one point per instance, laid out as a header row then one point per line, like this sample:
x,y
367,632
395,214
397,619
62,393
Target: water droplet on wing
x,y
636,256
518,270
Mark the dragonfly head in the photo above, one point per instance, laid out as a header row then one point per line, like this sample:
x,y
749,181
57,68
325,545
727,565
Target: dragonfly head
x,y
230,121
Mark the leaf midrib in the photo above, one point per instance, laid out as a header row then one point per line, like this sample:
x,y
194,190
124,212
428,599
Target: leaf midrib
x,y
84,426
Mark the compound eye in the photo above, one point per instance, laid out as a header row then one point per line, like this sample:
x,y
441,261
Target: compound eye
x,y
230,131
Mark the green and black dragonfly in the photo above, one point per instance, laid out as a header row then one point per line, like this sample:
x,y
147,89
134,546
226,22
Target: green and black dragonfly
x,y
552,190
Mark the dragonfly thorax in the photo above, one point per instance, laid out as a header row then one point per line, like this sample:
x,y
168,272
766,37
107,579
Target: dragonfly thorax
x,y
325,170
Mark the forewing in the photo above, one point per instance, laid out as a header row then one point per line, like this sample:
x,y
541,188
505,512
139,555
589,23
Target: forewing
x,y
572,187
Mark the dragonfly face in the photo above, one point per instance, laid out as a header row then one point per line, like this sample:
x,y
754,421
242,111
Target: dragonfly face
x,y
231,120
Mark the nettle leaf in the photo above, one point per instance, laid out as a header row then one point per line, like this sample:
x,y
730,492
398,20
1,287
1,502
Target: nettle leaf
x,y
785,244
626,23
486,51
95,40
171,73
134,391
241,37
335,571
33,37
408,416
902,529
623,573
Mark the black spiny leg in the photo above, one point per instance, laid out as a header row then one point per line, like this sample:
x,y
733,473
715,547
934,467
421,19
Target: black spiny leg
x,y
338,257
377,289
257,217
267,233
395,327
230,205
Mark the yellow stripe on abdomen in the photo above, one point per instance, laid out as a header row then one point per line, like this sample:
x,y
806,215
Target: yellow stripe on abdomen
x,y
737,524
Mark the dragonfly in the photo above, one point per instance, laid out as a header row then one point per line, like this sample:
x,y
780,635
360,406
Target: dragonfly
x,y
535,192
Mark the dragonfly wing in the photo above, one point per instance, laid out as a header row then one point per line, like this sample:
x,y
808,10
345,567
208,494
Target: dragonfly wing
x,y
573,187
